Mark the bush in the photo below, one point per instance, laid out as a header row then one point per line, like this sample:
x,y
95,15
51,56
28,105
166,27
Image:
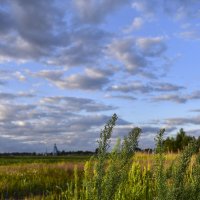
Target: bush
x,y
117,176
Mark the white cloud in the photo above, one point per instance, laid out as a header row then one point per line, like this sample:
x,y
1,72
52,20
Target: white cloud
x,y
149,88
190,35
135,53
178,9
90,79
178,98
136,24
95,11
123,50
151,46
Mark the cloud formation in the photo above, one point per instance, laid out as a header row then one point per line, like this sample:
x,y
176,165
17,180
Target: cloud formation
x,y
183,121
137,54
47,36
178,98
180,9
91,79
147,88
66,66
53,120
94,11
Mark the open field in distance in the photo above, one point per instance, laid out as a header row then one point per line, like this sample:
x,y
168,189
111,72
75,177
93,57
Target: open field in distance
x,y
36,177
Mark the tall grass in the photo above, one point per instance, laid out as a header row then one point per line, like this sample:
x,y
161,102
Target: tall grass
x,y
119,174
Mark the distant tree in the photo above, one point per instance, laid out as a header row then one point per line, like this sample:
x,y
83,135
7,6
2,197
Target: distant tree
x,y
96,150
198,143
169,144
179,142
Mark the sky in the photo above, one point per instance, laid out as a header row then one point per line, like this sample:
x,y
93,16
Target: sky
x,y
67,66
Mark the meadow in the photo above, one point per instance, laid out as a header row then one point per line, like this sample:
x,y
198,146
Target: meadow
x,y
54,177
36,176
119,174
42,177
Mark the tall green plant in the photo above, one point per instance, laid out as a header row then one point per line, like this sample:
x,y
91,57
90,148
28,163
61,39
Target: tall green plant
x,y
111,169
160,177
179,188
104,144
120,163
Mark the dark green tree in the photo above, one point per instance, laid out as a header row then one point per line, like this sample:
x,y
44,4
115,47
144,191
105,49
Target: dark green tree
x,y
178,143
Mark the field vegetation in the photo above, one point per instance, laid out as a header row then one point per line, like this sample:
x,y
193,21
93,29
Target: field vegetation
x,y
121,174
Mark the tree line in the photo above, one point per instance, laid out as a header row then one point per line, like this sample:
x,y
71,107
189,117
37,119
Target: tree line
x,y
179,142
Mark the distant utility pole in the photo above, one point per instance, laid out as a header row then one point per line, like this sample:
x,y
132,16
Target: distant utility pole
x,y
46,152
55,150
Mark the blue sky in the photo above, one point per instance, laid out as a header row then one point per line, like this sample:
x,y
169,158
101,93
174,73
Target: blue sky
x,y
67,66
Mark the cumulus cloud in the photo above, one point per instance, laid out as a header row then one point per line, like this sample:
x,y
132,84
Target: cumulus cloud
x,y
195,110
125,97
8,111
85,47
147,7
94,11
178,98
180,9
146,88
54,120
38,22
46,33
137,54
12,96
91,79
190,35
151,46
170,97
10,75
136,24
6,22
52,75
76,104
123,50
183,121
137,86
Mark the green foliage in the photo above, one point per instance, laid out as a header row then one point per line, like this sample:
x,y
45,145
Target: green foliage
x,y
111,169
119,164
179,189
179,143
119,174
102,152
160,176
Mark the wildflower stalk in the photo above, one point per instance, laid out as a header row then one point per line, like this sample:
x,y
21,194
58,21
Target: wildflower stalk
x,y
104,142
160,177
75,183
179,191
120,163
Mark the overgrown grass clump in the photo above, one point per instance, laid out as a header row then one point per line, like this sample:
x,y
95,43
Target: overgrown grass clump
x,y
119,174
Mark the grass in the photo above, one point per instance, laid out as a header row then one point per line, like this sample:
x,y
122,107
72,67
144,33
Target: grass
x,y
122,174
29,177
9,160
51,179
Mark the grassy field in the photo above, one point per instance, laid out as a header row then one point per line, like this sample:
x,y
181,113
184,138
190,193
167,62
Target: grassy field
x,y
37,177
8,160
121,174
